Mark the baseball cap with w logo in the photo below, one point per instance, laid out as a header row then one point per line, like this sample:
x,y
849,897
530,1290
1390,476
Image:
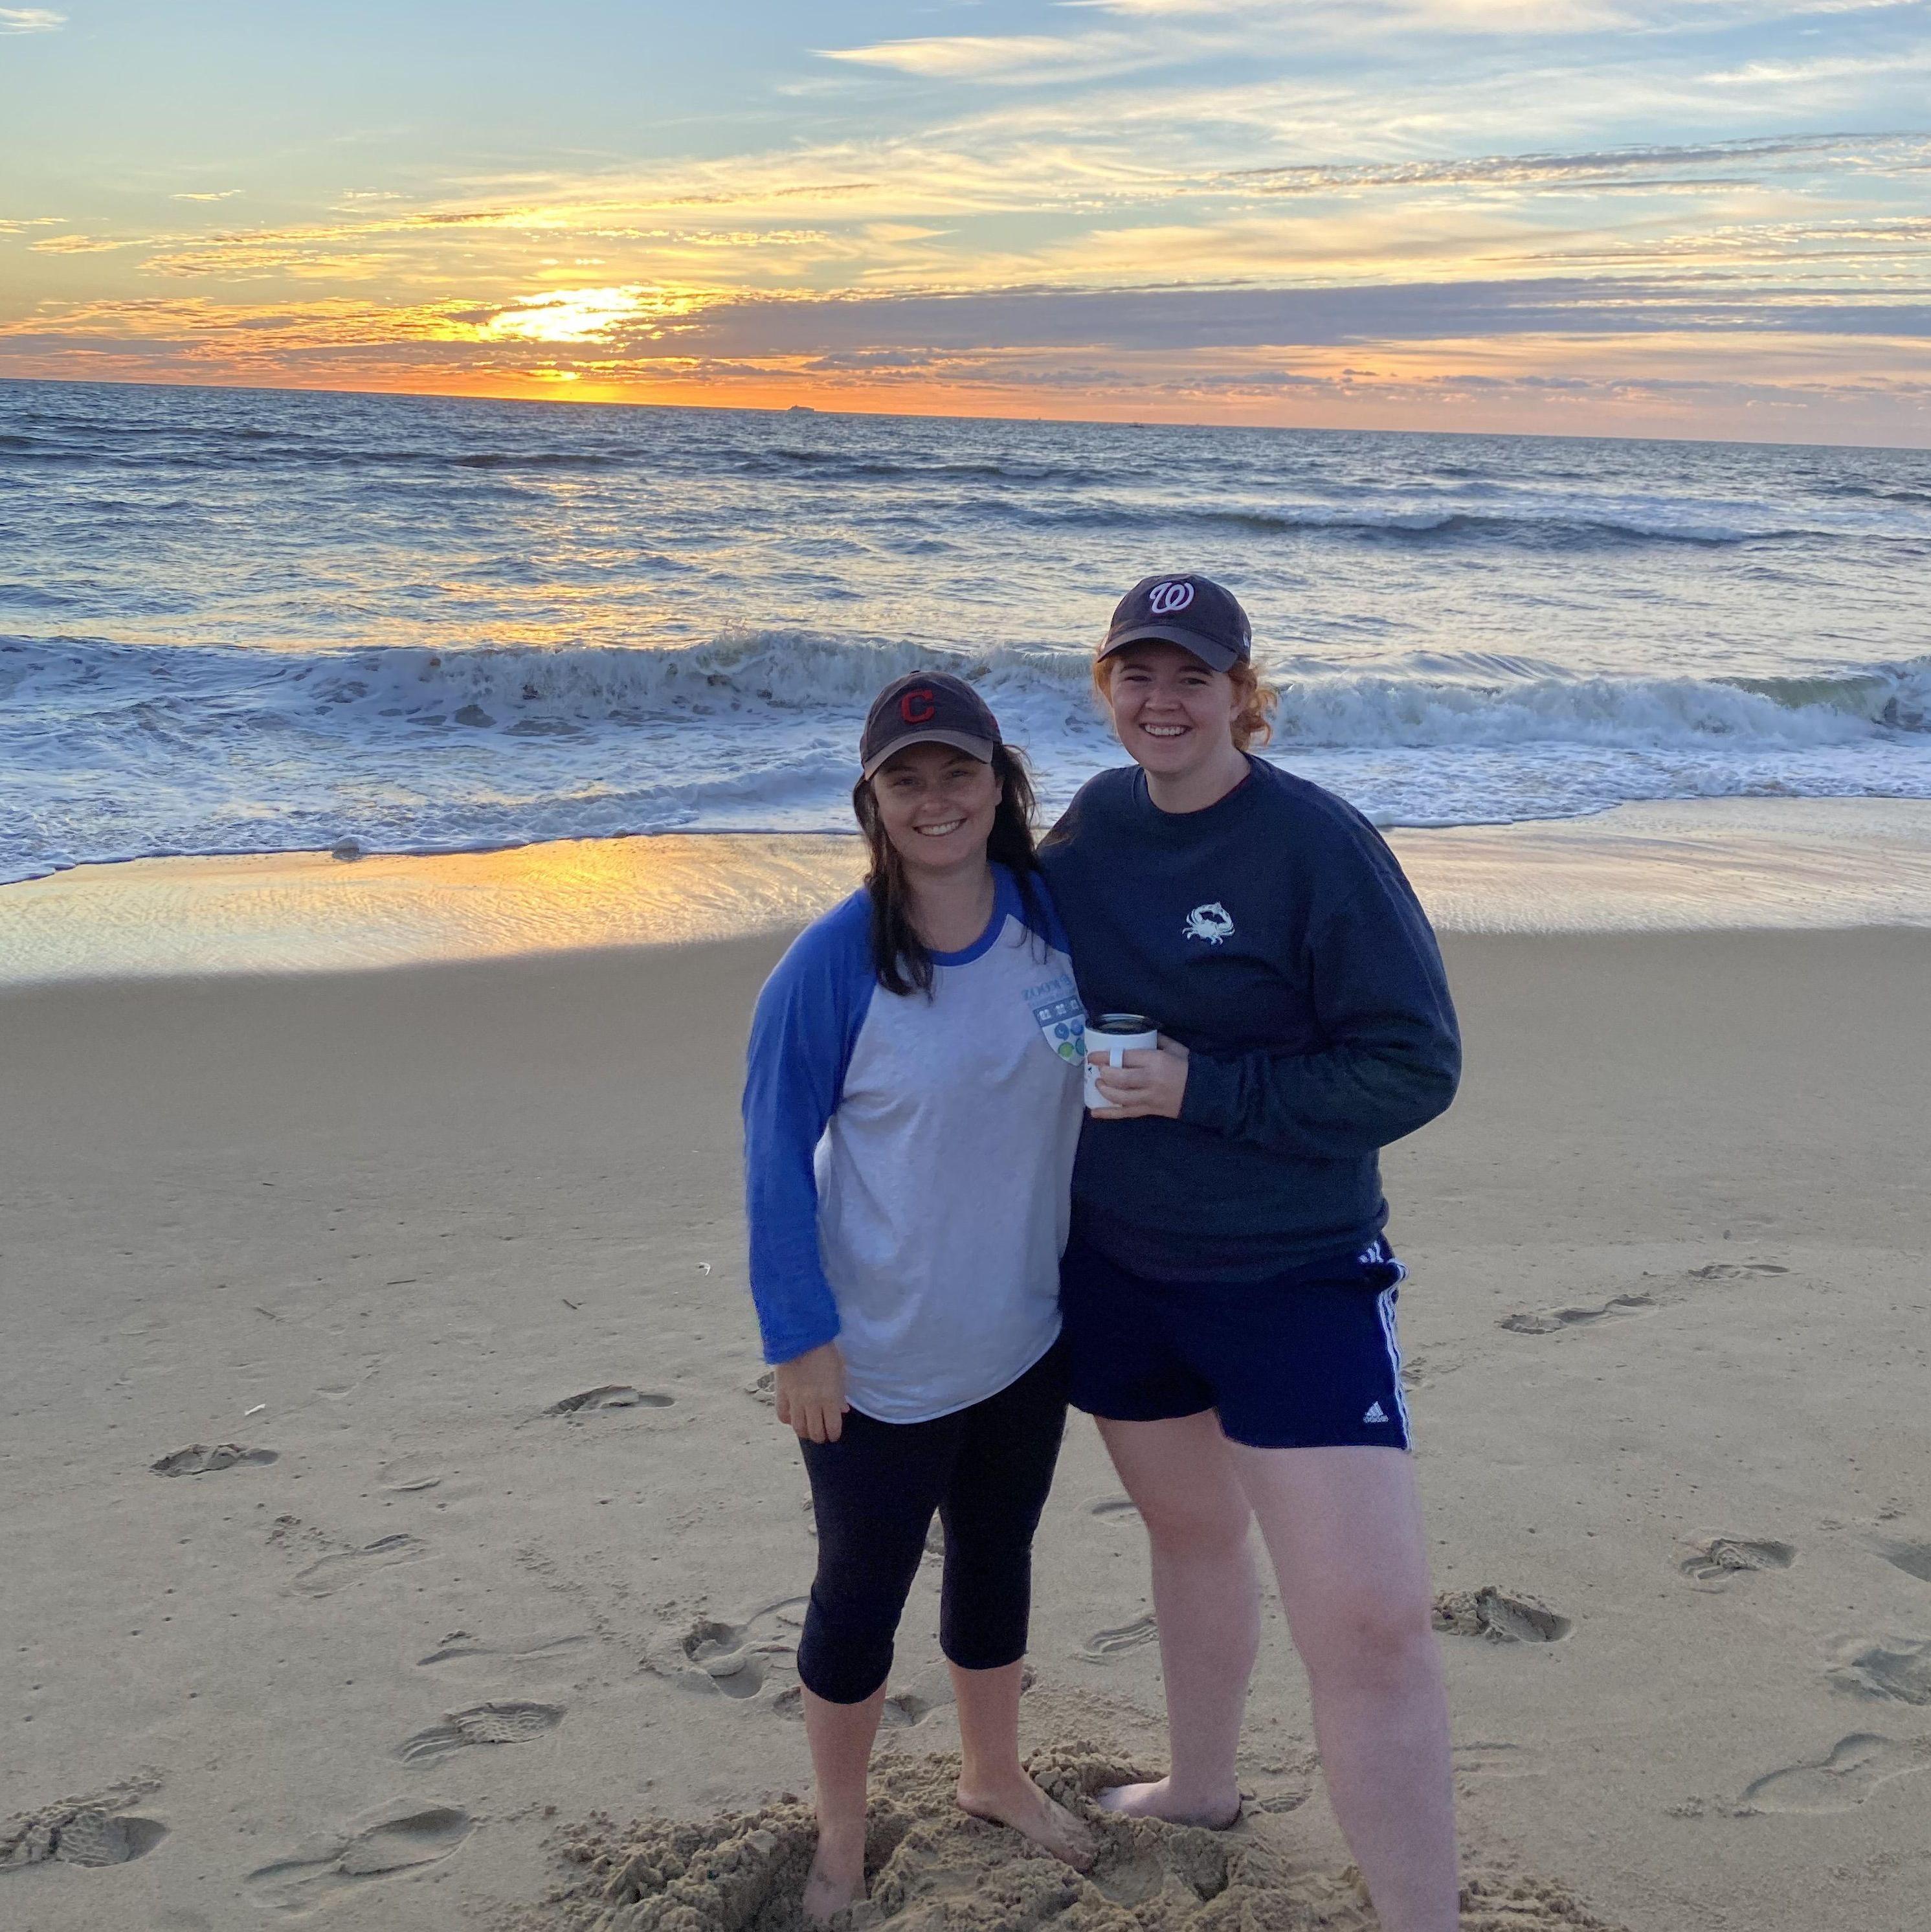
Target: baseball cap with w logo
x,y
927,708
1192,611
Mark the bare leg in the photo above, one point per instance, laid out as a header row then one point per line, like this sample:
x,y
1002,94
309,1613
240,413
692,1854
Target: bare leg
x,y
1206,1599
993,1784
840,1737
1344,1528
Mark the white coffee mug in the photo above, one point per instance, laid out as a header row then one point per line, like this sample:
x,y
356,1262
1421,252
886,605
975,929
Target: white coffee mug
x,y
1116,1035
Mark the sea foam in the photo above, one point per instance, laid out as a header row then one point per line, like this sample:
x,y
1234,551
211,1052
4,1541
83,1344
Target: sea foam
x,y
235,622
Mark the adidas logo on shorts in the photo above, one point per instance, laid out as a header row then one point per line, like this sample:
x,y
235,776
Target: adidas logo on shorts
x,y
1375,1413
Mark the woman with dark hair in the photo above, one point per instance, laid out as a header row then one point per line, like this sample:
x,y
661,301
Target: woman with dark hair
x,y
916,1060
1229,1300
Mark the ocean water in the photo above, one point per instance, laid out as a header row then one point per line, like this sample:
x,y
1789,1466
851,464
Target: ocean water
x,y
236,621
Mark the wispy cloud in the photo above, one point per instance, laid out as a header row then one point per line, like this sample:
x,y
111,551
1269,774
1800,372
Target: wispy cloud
x,y
1015,57
216,194
1182,31
30,20
1541,16
81,244
1635,167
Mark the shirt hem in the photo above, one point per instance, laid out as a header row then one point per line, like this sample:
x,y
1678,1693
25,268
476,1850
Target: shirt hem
x,y
1282,1253
1031,1362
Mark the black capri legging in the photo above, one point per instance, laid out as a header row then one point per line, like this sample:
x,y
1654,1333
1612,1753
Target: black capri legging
x,y
986,1471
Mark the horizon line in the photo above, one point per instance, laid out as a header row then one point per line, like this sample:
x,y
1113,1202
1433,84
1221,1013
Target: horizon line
x,y
568,402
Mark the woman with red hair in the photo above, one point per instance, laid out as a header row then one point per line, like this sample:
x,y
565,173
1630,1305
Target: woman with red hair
x,y
1228,1296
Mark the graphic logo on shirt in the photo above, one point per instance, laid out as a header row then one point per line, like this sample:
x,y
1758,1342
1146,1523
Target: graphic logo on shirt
x,y
1062,1018
1165,598
918,707
1212,922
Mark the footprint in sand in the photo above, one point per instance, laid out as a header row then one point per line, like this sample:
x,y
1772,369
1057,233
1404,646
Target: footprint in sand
x,y
200,1460
1713,1558
96,1829
764,1388
931,1690
1554,1321
900,1711
1502,1618
384,1843
733,1658
1900,1670
1913,1558
1856,1766
1103,1645
409,1475
1114,1509
1476,1764
327,1575
1735,1270
459,1645
1420,1372
611,1395
501,1723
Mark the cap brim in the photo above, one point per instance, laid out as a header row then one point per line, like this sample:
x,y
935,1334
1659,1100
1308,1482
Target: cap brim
x,y
981,749
1215,656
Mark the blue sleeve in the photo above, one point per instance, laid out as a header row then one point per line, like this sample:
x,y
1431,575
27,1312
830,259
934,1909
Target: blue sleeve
x,y
808,1017
1393,1053
1029,901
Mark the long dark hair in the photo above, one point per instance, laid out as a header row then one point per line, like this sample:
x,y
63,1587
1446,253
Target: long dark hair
x,y
900,958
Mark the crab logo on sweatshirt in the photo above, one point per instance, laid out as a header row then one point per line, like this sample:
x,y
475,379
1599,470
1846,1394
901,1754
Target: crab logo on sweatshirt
x,y
1212,922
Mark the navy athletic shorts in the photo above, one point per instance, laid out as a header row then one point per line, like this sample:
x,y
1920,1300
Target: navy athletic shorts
x,y
1303,1359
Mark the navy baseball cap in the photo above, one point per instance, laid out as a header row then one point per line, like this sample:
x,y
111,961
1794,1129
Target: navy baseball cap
x,y
1194,612
927,708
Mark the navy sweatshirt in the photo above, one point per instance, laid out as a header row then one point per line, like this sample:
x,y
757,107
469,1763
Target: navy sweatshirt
x,y
1274,936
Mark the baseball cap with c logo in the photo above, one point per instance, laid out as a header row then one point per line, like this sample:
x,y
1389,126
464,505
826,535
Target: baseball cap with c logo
x,y
927,708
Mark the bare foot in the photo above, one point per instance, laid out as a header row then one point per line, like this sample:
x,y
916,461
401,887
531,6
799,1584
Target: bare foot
x,y
1157,1800
837,1878
1019,1802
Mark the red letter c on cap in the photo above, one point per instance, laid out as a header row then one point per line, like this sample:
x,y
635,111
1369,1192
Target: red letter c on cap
x,y
918,707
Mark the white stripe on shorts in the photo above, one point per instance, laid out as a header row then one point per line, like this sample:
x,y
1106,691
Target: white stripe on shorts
x,y
1384,1303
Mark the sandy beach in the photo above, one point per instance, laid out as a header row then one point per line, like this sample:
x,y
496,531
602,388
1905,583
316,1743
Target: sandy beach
x,y
391,1508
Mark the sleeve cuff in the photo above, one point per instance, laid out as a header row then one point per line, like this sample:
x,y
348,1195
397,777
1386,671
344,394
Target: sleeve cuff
x,y
788,1347
1205,1102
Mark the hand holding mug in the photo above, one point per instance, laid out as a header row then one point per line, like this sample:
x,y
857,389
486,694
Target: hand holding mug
x,y
1133,1071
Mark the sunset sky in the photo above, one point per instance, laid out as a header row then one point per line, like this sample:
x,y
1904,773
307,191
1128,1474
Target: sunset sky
x,y
1685,217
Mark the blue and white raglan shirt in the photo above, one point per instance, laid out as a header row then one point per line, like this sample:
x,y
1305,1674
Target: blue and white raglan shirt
x,y
907,1160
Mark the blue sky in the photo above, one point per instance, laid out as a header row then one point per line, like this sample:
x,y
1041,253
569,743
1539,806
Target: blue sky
x,y
1614,217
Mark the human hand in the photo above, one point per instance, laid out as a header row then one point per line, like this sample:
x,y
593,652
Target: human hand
x,y
811,1393
1152,1081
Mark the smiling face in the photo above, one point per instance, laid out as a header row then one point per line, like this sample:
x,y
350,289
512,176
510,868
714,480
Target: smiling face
x,y
937,806
1173,716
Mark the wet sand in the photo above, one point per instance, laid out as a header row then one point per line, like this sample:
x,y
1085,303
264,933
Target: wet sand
x,y
1698,865
424,1287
